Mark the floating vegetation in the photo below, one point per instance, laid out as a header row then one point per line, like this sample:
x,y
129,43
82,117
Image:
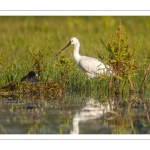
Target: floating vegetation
x,y
46,89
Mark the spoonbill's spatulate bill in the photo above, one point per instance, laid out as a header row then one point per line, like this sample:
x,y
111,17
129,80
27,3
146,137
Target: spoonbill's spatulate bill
x,y
91,66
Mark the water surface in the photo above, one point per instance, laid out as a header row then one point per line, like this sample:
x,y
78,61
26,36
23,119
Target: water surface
x,y
71,114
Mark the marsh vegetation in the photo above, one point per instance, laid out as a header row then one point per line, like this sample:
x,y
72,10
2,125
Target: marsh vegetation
x,y
31,43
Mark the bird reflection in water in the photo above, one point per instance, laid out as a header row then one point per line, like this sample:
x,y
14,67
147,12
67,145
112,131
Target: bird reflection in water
x,y
93,109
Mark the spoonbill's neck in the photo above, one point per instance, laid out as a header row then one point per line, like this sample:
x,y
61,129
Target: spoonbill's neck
x,y
76,54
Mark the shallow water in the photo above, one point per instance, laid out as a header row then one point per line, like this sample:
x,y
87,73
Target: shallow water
x,y
69,115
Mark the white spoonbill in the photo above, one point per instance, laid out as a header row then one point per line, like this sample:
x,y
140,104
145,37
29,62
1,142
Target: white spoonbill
x,y
91,66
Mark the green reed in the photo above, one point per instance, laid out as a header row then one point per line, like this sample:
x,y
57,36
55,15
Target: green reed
x,y
27,43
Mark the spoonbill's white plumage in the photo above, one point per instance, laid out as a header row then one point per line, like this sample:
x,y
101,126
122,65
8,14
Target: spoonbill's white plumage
x,y
91,66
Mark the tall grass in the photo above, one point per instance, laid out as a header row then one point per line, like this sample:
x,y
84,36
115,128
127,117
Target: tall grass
x,y
42,37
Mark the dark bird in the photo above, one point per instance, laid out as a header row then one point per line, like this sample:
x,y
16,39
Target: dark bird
x,y
30,77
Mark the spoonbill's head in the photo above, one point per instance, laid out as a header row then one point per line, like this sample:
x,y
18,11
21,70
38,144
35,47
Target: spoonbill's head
x,y
73,41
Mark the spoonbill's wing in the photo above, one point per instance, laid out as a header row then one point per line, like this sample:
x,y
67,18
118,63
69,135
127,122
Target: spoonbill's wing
x,y
91,65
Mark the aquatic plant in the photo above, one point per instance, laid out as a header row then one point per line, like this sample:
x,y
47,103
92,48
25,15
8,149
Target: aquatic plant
x,y
121,59
29,44
47,89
